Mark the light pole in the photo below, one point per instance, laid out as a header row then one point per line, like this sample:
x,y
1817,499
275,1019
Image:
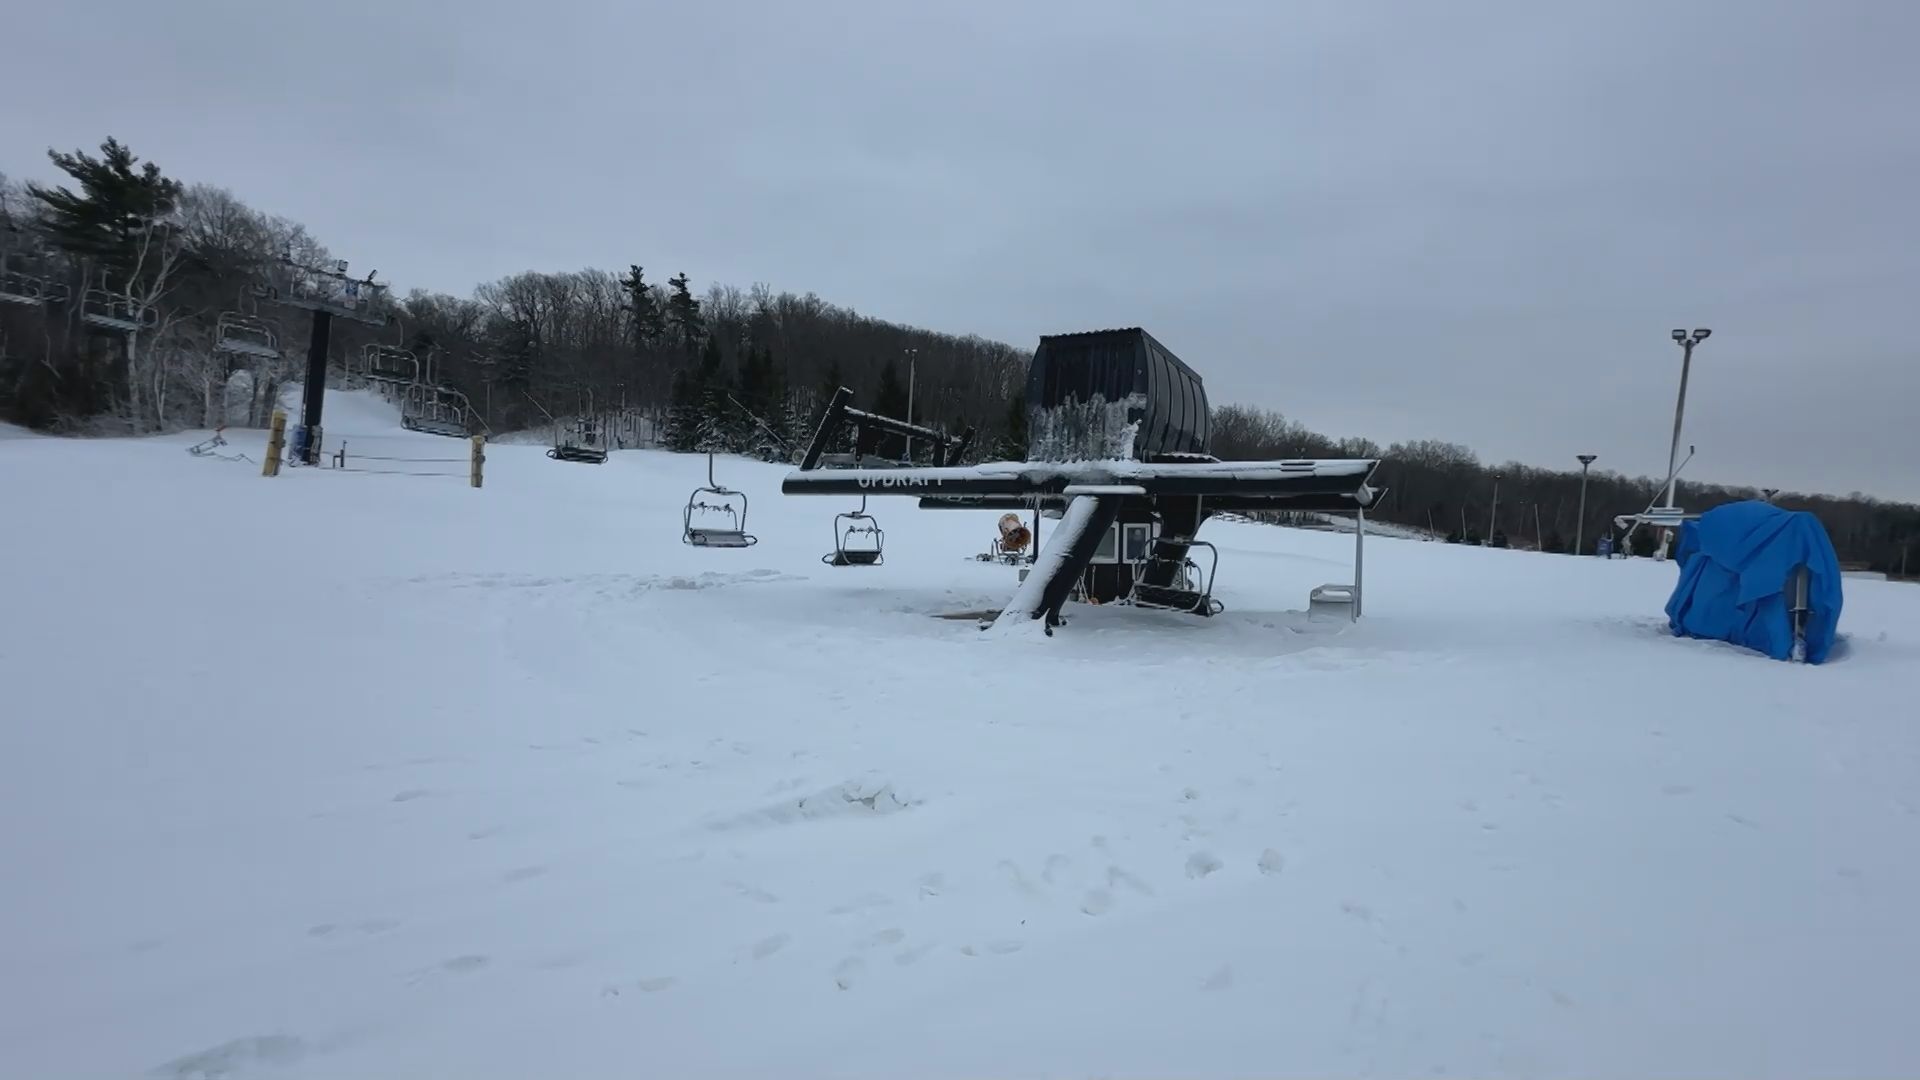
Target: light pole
x,y
1686,343
1493,515
1580,526
912,355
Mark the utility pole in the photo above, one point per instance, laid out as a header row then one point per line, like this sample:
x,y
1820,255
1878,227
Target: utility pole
x,y
1686,343
1580,528
912,356
1493,515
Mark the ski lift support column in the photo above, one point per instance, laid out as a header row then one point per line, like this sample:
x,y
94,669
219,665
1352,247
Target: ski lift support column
x,y
328,293
1359,560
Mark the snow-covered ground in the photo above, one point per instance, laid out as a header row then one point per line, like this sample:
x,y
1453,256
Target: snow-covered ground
x,y
339,775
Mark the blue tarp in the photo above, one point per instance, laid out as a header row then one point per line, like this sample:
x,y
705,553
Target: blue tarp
x,y
1735,565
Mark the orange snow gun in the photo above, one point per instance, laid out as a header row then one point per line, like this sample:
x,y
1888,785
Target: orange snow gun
x,y
1014,536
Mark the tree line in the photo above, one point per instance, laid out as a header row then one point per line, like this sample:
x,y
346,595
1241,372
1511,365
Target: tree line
x,y
1445,489
134,274
726,369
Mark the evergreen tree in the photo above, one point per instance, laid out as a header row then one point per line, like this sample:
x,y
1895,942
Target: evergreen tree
x,y
710,396
833,382
760,395
112,216
1014,446
773,389
683,416
646,322
891,401
891,398
791,418
688,326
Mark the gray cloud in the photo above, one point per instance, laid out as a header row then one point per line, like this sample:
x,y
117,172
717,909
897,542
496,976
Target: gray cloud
x,y
1471,221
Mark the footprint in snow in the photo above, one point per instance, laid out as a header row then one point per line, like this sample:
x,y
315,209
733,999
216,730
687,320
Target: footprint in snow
x,y
645,986
847,971
235,1056
908,956
1055,866
754,893
1202,863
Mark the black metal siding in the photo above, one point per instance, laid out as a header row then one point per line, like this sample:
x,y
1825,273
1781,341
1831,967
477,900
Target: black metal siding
x,y
1154,426
1070,368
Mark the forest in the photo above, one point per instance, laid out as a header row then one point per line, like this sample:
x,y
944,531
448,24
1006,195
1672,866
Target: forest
x,y
720,368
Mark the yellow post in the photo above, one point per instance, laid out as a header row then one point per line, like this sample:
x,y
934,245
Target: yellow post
x,y
276,444
479,458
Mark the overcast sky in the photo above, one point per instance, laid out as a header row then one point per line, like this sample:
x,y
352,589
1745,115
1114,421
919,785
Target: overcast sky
x,y
1467,221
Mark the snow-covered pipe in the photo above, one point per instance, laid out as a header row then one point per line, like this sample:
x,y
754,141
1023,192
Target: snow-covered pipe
x,y
1068,550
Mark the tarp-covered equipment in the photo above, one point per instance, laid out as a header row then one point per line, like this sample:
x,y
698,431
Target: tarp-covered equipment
x,y
1760,577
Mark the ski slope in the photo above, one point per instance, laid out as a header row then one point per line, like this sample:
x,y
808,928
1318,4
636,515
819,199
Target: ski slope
x,y
338,775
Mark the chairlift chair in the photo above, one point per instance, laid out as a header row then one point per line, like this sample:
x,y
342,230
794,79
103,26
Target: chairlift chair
x,y
244,335
20,287
857,539
1188,588
111,311
16,288
391,364
726,503
579,445
434,411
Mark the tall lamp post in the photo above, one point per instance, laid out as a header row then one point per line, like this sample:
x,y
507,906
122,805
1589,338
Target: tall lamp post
x,y
1580,525
912,356
1686,343
1493,515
